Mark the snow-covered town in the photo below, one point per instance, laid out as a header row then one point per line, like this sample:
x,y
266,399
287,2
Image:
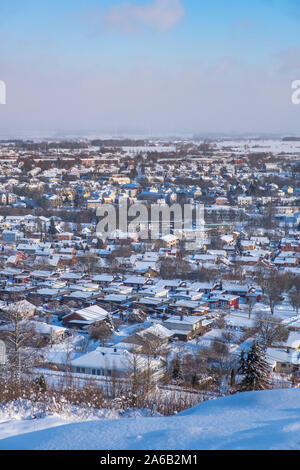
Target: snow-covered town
x,y
149,229
104,309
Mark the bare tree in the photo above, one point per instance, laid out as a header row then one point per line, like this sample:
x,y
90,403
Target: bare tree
x,y
294,298
294,294
273,288
88,264
270,330
101,332
250,305
18,333
261,276
139,380
154,346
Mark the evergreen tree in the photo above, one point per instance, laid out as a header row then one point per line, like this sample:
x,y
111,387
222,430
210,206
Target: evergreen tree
x,y
78,200
232,379
177,371
255,370
194,379
52,229
100,244
40,382
238,246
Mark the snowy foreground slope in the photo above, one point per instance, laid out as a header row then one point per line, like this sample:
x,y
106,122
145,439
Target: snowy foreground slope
x,y
252,420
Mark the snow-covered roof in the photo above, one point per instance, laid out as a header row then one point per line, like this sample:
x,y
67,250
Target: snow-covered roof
x,y
156,330
182,320
21,305
94,312
274,355
111,359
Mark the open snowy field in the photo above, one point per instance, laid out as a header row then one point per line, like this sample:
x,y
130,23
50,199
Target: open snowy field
x,y
275,146
252,420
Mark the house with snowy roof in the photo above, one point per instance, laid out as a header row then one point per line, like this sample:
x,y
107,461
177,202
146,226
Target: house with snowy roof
x,y
116,362
86,317
157,334
283,360
26,309
187,327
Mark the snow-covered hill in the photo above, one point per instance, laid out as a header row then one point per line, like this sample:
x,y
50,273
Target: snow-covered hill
x,y
252,420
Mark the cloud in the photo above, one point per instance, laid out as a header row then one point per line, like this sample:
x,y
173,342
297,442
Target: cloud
x,y
159,15
246,26
289,60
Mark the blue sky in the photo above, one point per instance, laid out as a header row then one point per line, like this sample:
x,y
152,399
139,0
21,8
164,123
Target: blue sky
x,y
165,65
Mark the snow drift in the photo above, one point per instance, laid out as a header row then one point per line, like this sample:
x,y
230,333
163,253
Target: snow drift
x,y
251,420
